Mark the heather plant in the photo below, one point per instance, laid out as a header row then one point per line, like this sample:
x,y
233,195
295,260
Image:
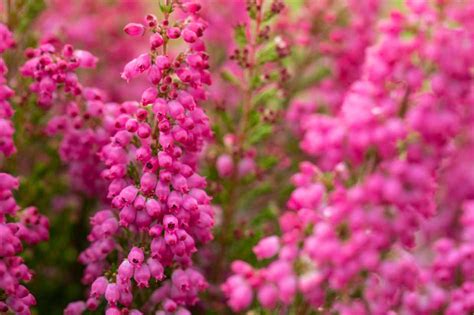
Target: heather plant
x,y
230,157
96,25
349,237
151,163
246,112
18,225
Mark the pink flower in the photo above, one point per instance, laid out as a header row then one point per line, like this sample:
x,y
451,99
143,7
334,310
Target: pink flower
x,y
125,270
142,276
85,58
225,165
112,293
268,296
173,32
134,29
267,247
98,287
189,36
136,256
238,292
156,41
75,308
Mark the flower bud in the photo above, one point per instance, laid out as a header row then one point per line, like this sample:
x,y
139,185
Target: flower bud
x,y
156,41
134,29
225,165
173,32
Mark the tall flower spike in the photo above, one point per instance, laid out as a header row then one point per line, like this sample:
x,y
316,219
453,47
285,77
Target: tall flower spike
x,y
161,211
78,115
17,225
368,240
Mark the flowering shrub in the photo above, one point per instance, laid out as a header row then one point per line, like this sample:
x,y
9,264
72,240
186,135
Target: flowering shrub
x,y
16,225
219,157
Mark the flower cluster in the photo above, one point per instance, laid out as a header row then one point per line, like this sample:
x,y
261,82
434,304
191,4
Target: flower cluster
x,y
96,24
7,147
80,116
160,208
334,36
349,237
16,225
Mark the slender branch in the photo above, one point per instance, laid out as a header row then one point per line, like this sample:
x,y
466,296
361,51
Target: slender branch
x,y
241,133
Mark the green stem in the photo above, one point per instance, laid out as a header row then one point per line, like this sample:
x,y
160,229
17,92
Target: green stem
x,y
230,208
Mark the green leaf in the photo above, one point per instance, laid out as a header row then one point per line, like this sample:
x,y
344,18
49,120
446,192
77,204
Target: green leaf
x,y
268,214
267,54
265,96
268,15
261,132
31,11
217,131
228,76
267,162
133,173
224,115
252,11
240,36
166,9
254,118
255,82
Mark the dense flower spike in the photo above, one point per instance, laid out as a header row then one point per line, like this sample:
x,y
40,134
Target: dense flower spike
x,y
7,147
17,225
96,25
337,51
80,116
349,236
162,211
